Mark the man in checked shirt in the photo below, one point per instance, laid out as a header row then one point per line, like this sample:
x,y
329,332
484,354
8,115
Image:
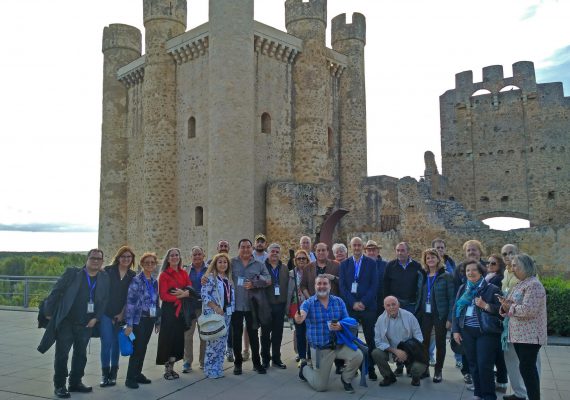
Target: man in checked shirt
x,y
322,313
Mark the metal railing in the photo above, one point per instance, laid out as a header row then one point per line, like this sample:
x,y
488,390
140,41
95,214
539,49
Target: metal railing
x,y
23,290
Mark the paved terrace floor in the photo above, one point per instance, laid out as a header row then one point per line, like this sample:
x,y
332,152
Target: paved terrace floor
x,y
27,374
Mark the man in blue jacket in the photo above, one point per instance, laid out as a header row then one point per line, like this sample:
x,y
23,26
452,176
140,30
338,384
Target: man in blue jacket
x,y
358,289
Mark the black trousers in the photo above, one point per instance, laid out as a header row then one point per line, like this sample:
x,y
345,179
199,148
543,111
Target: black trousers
x,y
237,333
480,349
429,322
272,335
527,354
143,332
367,319
76,335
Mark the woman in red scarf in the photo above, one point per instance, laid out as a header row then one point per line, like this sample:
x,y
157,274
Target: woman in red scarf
x,y
173,284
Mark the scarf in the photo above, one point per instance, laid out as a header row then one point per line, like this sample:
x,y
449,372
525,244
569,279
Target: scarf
x,y
467,296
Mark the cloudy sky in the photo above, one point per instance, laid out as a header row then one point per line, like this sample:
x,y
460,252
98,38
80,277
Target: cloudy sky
x,y
51,76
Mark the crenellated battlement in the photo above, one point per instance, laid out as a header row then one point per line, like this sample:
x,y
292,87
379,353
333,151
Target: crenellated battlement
x,y
343,31
173,10
132,73
296,10
493,80
122,36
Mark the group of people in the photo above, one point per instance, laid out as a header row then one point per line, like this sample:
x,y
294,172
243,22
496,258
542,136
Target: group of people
x,y
495,309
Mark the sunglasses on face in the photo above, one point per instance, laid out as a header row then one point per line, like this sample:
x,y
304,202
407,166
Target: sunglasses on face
x,y
493,263
301,259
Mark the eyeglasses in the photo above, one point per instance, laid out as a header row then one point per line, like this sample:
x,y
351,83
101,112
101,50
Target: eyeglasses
x,y
493,263
96,258
301,259
510,253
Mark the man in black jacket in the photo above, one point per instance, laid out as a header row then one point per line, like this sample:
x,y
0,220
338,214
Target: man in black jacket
x,y
75,304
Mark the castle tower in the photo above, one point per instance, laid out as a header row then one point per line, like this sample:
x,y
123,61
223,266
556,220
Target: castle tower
x,y
163,20
231,165
350,39
121,45
307,21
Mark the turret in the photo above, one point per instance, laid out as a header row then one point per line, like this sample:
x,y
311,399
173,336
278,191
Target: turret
x,y
231,96
350,39
121,45
311,86
163,20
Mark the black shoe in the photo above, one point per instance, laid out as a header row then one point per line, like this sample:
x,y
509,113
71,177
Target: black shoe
x,y
467,379
61,392
113,376
338,369
347,386
80,387
372,375
279,364
512,397
388,380
425,374
297,359
105,377
415,381
437,377
399,370
131,384
301,376
143,379
409,372
237,369
260,369
264,365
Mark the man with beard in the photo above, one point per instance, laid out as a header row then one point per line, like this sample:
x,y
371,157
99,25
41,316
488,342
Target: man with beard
x,y
323,312
260,244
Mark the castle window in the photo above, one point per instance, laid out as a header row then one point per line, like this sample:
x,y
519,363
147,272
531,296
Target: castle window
x,y
508,88
480,92
505,198
551,195
199,216
451,198
485,199
191,127
265,123
330,138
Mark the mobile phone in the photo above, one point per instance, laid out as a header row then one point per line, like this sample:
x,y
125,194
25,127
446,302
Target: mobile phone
x,y
334,321
499,296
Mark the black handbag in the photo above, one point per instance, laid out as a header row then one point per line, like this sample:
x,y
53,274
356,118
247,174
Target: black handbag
x,y
491,323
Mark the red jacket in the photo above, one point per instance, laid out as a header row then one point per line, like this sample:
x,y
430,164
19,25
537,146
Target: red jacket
x,y
171,279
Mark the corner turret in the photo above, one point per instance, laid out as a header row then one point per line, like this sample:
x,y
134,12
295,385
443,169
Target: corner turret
x,y
298,10
343,31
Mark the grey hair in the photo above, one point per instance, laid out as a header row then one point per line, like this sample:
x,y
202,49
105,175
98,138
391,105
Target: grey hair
x,y
273,246
526,264
339,246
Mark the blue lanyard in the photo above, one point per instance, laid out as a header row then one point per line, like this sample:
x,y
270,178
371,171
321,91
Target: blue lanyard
x,y
275,273
91,287
357,267
429,286
150,288
227,289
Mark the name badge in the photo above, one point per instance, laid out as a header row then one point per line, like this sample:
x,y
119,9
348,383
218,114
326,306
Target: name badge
x,y
469,312
90,307
354,287
277,291
229,310
132,337
240,280
152,311
428,308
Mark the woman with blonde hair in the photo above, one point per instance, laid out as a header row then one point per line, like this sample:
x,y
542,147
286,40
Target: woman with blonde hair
x,y
121,272
296,296
217,297
436,307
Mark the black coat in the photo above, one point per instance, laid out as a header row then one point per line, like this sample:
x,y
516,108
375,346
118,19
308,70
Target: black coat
x,y
61,299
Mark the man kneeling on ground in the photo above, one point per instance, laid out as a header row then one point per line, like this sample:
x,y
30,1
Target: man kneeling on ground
x,y
322,313
398,332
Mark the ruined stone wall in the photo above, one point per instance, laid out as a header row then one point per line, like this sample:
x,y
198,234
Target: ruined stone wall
x,y
503,153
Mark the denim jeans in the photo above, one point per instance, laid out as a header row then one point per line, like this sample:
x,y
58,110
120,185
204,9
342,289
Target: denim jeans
x,y
109,342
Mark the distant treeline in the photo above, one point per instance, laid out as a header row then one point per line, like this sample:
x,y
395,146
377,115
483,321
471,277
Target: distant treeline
x,y
38,264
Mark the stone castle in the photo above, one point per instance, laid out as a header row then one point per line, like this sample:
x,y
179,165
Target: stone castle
x,y
235,127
